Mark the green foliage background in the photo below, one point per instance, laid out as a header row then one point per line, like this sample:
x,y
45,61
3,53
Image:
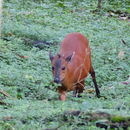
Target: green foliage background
x,y
34,101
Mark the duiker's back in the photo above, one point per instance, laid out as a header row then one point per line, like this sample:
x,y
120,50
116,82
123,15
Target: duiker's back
x,y
74,42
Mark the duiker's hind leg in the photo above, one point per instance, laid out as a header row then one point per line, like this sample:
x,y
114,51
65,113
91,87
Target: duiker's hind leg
x,y
78,89
92,72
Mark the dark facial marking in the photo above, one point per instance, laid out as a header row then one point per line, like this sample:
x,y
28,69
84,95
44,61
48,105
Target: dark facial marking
x,y
58,64
57,70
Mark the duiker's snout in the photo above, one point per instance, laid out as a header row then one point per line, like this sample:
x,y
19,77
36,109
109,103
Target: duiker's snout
x,y
57,80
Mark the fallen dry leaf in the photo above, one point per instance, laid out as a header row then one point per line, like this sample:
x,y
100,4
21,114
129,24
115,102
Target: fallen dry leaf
x,y
7,118
127,82
89,90
21,56
121,54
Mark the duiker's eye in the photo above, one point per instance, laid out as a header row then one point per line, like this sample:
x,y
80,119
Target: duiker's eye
x,y
53,68
63,68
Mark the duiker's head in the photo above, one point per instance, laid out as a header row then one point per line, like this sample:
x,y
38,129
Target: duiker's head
x,y
59,66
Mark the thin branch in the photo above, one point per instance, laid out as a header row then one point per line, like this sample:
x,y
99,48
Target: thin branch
x,y
2,103
80,68
4,93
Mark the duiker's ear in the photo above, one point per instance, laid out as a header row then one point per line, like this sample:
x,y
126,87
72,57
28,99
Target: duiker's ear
x,y
51,56
68,59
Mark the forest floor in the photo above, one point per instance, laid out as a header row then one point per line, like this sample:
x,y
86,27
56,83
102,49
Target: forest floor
x,y
28,98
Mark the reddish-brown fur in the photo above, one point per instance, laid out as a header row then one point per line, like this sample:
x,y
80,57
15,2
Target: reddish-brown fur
x,y
78,67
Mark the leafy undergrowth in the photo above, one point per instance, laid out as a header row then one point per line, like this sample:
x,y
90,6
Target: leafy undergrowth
x,y
31,100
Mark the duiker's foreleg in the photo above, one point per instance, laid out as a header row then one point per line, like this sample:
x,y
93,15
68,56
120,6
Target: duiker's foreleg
x,y
62,93
92,72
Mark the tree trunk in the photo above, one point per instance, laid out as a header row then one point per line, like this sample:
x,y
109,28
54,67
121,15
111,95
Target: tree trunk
x,y
99,4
